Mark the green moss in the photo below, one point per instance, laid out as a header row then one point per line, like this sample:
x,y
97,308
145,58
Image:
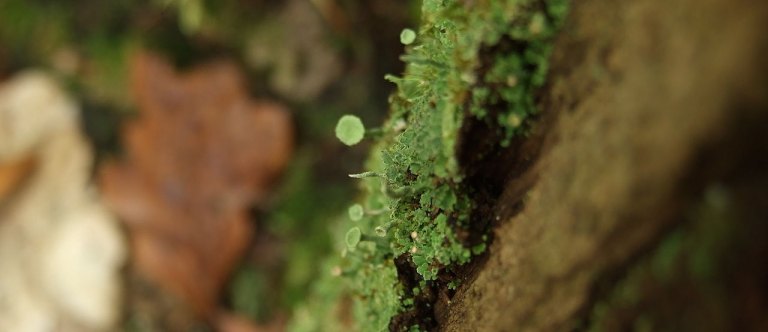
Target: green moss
x,y
247,289
441,77
419,182
444,74
303,213
33,28
379,296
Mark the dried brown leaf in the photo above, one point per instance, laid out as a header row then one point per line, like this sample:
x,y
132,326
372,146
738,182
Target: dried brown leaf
x,y
200,152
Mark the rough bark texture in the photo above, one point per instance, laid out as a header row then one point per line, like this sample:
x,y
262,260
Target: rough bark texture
x,y
661,109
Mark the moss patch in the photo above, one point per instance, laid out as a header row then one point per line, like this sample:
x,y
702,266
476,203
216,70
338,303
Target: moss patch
x,y
469,60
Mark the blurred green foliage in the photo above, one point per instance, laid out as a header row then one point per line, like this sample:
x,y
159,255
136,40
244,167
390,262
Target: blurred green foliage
x,y
693,263
89,43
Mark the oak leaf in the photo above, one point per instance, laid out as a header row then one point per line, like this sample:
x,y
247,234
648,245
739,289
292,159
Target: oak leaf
x,y
199,154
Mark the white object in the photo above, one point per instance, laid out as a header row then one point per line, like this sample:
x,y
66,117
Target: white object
x,y
60,250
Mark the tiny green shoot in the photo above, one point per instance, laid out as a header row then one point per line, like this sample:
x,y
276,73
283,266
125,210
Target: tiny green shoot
x,y
381,231
363,175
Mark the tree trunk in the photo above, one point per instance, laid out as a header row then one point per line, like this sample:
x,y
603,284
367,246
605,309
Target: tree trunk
x,y
646,207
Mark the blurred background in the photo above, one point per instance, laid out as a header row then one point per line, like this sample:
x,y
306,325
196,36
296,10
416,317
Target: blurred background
x,y
164,164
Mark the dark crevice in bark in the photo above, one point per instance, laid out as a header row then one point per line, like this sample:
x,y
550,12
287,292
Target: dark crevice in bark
x,y
489,168
422,313
496,177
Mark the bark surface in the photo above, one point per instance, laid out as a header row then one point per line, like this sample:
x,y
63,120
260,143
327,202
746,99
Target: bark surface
x,y
654,109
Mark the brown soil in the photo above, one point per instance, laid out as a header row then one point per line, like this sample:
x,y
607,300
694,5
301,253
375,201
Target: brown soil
x,y
655,102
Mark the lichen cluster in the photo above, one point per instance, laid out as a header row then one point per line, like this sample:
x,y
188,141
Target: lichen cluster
x,y
469,59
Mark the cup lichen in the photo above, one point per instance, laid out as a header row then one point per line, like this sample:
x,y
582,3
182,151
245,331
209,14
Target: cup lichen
x,y
350,130
482,60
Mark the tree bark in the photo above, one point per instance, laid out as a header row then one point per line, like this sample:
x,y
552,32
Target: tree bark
x,y
646,207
